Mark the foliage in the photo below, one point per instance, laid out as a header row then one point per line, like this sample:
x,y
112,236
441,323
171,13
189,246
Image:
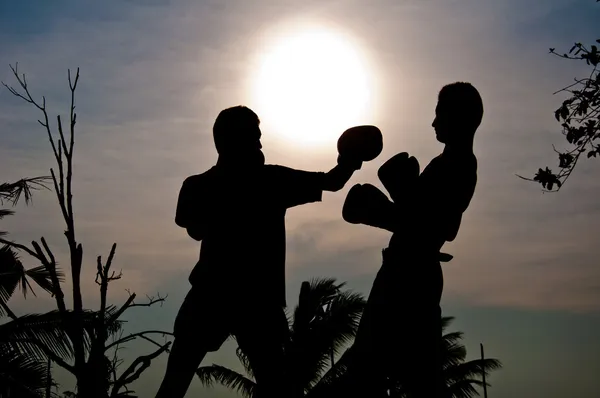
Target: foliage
x,y
324,321
22,371
461,376
84,342
579,116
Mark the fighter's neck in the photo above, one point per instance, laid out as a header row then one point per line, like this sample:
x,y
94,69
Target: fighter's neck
x,y
462,149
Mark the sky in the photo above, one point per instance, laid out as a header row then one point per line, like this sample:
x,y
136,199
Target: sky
x,y
524,280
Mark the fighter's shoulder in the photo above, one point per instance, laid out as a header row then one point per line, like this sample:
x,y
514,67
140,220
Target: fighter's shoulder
x,y
199,179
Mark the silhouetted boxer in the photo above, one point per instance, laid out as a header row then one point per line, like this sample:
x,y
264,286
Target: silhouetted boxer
x,y
399,338
237,209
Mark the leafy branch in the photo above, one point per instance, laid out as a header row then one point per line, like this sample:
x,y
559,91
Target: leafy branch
x,y
579,116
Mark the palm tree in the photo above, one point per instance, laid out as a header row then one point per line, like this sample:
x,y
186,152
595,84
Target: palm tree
x,y
29,341
12,271
83,352
462,377
323,323
23,369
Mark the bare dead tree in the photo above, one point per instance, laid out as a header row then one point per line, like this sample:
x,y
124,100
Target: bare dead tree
x,y
88,331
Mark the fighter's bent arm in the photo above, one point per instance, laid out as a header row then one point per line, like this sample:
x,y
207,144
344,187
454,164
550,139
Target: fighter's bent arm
x,y
186,211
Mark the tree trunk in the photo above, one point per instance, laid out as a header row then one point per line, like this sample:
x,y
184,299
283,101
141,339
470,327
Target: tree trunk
x,y
93,381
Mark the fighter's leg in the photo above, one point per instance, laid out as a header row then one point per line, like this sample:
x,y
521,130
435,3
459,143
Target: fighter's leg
x,y
261,334
184,359
414,356
194,338
366,374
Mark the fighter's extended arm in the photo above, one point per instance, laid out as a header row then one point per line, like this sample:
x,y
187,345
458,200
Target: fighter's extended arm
x,y
336,178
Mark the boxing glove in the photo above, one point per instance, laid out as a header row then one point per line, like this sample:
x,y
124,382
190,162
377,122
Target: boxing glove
x,y
366,204
360,143
398,175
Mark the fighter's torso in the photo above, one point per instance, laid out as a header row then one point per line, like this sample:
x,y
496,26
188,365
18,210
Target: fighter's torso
x,y
432,214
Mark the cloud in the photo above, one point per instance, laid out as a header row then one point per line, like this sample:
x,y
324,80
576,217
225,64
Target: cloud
x,y
154,76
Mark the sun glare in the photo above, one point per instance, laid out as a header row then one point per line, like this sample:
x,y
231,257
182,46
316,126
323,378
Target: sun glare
x,y
310,86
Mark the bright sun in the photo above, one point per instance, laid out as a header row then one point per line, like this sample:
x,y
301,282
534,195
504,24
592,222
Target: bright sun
x,y
311,86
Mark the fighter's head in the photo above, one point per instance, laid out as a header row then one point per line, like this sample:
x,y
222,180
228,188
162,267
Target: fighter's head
x,y
458,113
237,136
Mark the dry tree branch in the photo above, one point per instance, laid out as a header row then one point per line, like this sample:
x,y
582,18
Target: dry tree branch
x,y
151,301
129,303
51,267
21,247
138,366
27,97
141,335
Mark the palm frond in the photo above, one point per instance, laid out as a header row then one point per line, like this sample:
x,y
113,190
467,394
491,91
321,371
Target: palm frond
x,y
113,326
209,375
243,358
23,376
12,273
314,296
453,354
42,277
334,376
33,333
471,369
12,192
446,321
5,212
464,388
452,338
326,320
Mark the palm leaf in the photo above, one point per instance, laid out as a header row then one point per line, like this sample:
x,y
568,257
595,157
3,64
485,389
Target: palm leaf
x,y
243,358
446,321
12,192
314,296
452,338
12,273
209,375
325,321
464,388
471,369
42,277
33,333
453,354
113,326
335,378
5,212
21,375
